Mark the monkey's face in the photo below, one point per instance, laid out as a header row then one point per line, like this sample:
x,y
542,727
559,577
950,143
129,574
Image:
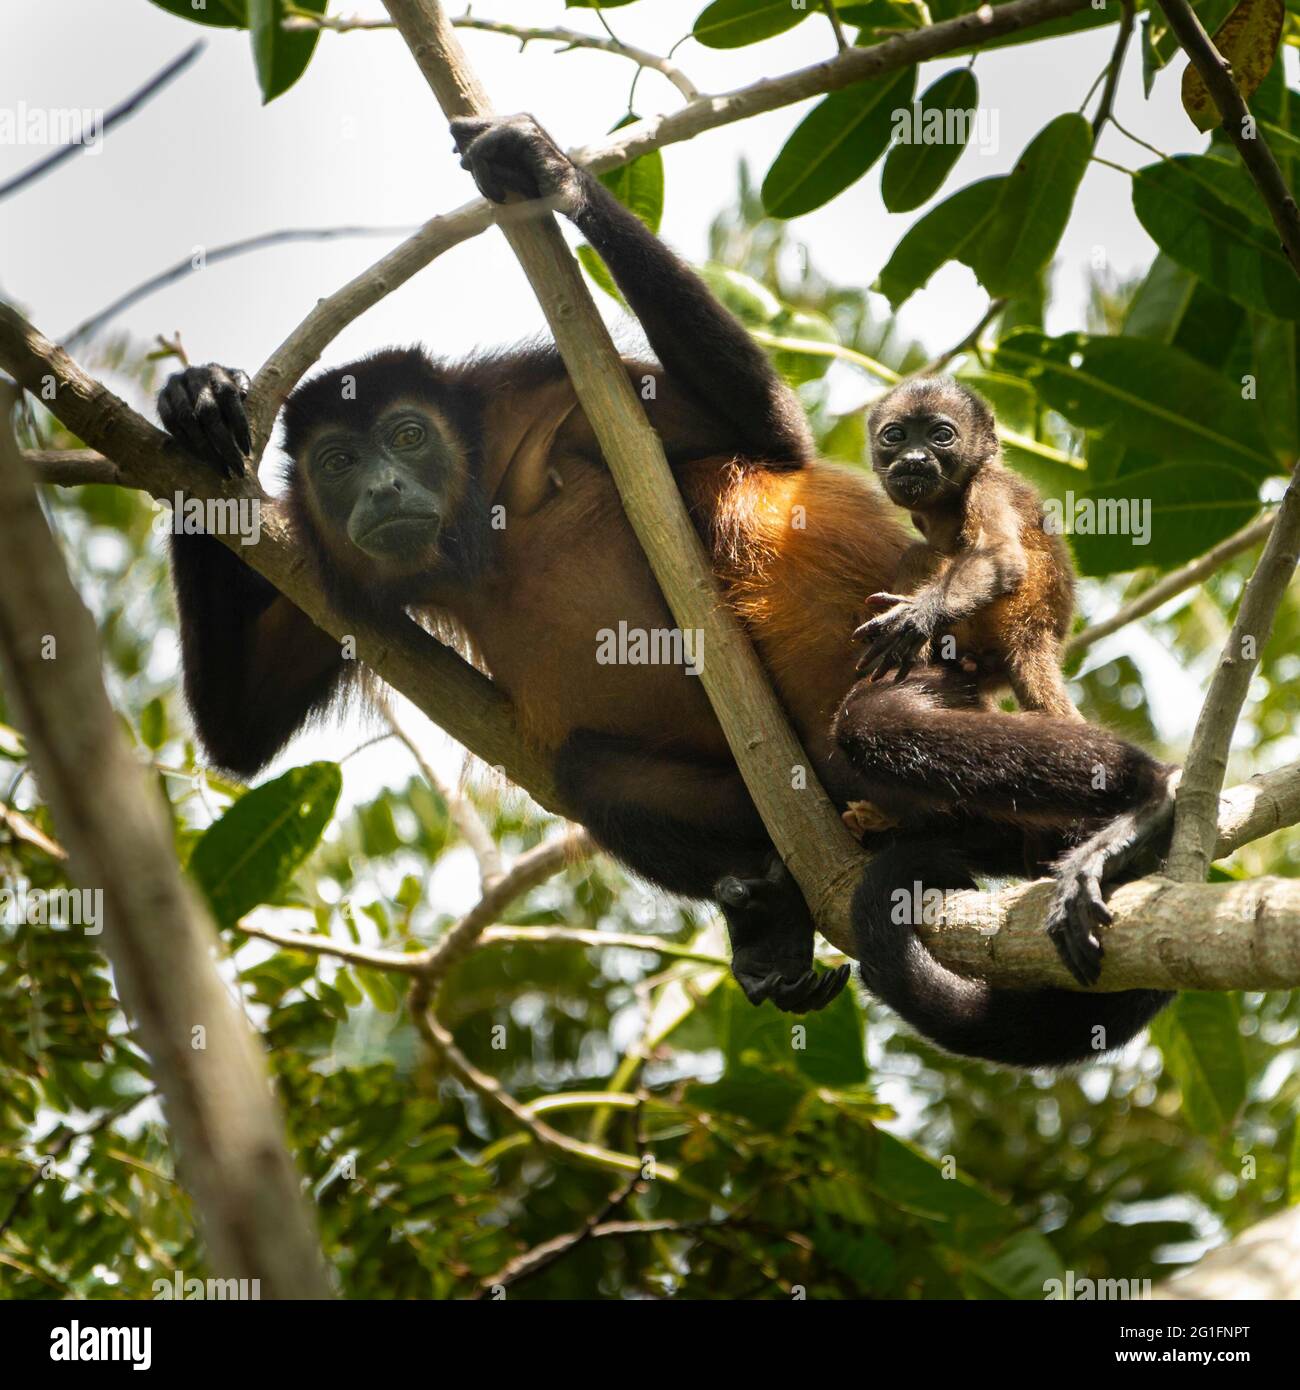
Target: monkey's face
x,y
918,454
388,485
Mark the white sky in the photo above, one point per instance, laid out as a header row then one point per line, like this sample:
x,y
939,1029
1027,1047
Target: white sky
x,y
360,140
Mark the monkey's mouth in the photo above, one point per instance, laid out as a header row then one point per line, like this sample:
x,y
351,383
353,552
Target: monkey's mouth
x,y
911,483
401,531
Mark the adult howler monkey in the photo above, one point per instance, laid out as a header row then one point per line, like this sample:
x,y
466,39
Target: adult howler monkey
x,y
401,467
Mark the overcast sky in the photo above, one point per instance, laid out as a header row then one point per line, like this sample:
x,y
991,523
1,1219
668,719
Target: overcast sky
x,y
360,140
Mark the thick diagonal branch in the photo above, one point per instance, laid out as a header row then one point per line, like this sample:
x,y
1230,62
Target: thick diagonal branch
x,y
803,824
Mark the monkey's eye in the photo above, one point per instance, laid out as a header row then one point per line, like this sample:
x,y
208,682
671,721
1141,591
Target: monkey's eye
x,y
893,434
943,434
408,436
336,461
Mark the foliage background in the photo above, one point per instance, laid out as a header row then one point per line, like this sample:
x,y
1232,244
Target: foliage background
x,y
848,1162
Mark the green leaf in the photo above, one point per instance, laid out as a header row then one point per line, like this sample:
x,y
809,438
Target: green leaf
x,y
1021,1268
1248,39
639,186
948,232
1200,1037
801,324
1213,238
1147,395
244,858
11,742
914,173
220,14
153,725
1183,509
280,58
1033,206
835,144
750,300
735,23
914,1181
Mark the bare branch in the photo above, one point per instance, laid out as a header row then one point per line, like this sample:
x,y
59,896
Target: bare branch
x,y
1116,66
1238,124
530,869
464,814
1175,582
119,113
304,346
213,257
570,38
230,1143
1196,806
287,365
498,1098
72,467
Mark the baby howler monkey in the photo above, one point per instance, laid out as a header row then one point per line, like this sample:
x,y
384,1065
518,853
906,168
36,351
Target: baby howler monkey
x,y
988,586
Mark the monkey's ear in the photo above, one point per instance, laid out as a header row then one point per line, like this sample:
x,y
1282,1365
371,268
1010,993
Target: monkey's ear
x,y
518,436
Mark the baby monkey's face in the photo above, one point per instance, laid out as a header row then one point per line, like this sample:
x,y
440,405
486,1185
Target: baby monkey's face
x,y
924,443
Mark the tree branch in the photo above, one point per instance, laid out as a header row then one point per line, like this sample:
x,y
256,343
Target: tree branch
x,y
119,113
208,1066
811,838
439,682
1238,124
1252,946
1196,806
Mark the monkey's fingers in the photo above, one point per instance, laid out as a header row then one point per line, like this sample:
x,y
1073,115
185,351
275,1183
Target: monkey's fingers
x,y
881,602
757,989
465,130
1077,914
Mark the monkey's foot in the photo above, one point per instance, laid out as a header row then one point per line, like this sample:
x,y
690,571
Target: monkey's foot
x,y
866,818
1078,910
772,943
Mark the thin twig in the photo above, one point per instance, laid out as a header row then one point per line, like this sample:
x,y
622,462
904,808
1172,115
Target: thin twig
x,y
491,1090
1113,71
464,814
112,118
1197,804
531,868
1239,125
1175,582
940,363
570,38
841,42
214,257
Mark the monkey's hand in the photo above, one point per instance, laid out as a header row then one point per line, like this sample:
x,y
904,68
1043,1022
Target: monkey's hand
x,y
203,409
897,638
513,154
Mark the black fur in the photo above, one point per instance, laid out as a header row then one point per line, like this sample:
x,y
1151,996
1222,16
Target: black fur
x,y
1020,1028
